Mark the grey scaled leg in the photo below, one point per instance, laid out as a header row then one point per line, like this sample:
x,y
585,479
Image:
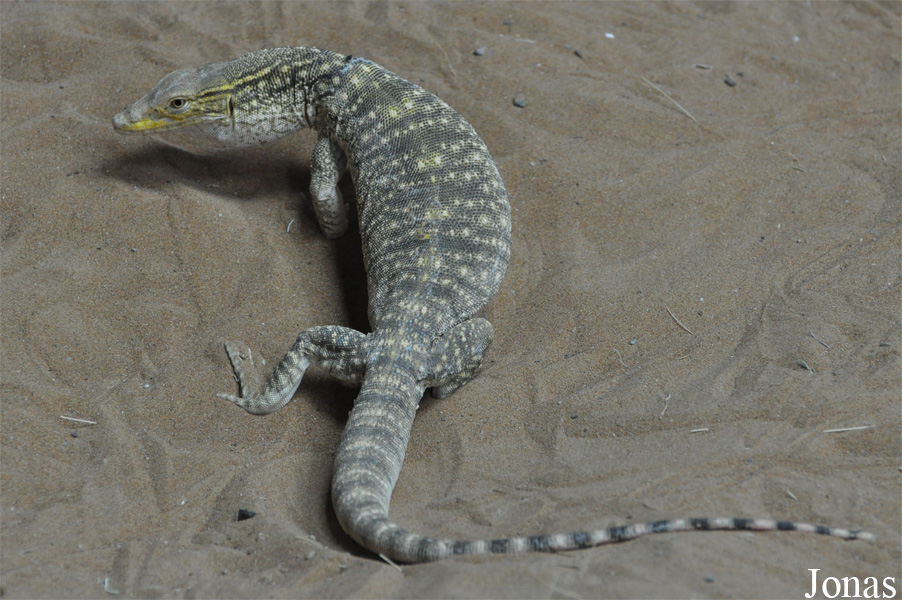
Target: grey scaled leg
x,y
327,165
458,355
339,350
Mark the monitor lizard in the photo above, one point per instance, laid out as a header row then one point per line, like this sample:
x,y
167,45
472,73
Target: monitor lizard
x,y
435,227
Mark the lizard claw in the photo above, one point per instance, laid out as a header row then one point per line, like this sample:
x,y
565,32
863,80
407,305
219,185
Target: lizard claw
x,y
229,397
242,360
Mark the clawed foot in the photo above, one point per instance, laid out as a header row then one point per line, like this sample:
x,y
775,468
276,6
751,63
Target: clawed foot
x,y
242,360
255,397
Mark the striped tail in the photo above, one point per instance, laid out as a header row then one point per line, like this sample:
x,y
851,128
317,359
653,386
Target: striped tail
x,y
369,461
588,539
407,547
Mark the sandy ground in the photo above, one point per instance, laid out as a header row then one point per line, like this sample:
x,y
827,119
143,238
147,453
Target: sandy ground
x,y
769,225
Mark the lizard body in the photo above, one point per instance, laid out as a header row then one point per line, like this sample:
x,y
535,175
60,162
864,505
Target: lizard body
x,y
435,230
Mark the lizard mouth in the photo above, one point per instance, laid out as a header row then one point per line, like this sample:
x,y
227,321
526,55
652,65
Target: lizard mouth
x,y
128,122
124,124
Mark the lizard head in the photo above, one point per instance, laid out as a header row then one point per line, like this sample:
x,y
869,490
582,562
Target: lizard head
x,y
200,96
238,103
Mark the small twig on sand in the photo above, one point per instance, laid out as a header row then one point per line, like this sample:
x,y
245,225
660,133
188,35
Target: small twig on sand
x,y
79,420
859,428
389,561
666,95
678,321
824,344
448,60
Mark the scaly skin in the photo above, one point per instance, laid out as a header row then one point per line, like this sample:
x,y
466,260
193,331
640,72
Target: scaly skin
x,y
435,226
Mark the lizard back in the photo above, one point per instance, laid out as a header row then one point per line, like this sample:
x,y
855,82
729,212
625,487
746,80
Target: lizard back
x,y
433,212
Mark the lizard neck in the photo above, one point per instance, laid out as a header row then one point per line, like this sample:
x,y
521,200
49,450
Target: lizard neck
x,y
274,93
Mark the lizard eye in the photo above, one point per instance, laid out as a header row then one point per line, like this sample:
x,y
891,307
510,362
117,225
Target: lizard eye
x,y
178,103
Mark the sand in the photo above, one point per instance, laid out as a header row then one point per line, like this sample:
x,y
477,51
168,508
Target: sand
x,y
768,224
